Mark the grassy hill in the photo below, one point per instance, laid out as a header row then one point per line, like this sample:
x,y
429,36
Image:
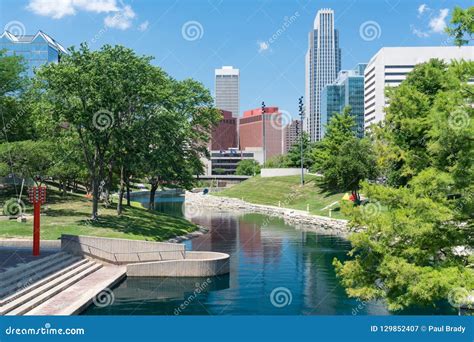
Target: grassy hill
x,y
70,215
288,191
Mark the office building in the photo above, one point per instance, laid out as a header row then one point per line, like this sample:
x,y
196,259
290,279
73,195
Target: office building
x,y
390,66
227,90
292,133
224,135
36,50
347,90
225,162
268,137
323,63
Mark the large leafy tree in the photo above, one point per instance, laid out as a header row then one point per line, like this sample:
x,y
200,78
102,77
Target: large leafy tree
x,y
98,96
415,248
341,157
15,123
462,25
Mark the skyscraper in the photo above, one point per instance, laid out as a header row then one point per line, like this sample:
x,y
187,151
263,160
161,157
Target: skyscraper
x,y
323,63
346,90
228,89
36,50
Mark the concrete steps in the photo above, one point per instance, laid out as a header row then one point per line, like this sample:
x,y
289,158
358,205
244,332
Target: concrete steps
x,y
27,299
27,275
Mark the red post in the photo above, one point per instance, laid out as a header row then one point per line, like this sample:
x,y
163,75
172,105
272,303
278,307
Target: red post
x,y
36,229
37,197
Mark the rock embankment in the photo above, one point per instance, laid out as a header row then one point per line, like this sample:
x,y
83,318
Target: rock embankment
x,y
300,219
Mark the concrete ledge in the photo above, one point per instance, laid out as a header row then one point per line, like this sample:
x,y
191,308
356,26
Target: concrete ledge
x,y
24,243
121,251
196,264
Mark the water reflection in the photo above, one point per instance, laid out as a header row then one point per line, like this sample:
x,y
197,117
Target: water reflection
x,y
266,254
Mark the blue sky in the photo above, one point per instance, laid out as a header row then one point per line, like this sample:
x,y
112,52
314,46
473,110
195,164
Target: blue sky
x,y
190,38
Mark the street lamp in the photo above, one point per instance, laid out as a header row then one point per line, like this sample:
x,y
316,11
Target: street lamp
x,y
301,112
264,145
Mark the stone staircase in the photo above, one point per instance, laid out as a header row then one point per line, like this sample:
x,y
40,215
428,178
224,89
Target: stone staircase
x,y
27,286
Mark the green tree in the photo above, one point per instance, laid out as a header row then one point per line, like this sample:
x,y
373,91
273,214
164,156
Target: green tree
x,y
248,167
293,158
462,25
341,157
413,248
14,114
30,160
277,162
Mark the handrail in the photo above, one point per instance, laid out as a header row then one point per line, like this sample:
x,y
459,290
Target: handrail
x,y
181,251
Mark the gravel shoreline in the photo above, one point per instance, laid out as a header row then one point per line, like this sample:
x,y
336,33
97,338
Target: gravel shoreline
x,y
300,219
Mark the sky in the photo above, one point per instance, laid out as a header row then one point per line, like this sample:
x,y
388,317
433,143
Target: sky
x,y
266,39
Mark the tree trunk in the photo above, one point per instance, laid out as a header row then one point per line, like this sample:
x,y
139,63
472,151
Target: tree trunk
x,y
127,184
154,187
63,188
95,198
121,191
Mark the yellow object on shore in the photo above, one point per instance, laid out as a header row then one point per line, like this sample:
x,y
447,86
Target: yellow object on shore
x,y
346,197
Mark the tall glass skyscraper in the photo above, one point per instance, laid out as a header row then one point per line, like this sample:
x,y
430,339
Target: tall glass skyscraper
x,y
36,50
347,90
227,90
323,63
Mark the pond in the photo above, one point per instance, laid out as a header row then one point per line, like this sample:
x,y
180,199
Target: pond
x,y
275,269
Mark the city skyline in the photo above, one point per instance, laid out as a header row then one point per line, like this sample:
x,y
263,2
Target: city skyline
x,y
271,59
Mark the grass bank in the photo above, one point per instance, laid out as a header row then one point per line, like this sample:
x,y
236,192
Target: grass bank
x,y
289,193
70,215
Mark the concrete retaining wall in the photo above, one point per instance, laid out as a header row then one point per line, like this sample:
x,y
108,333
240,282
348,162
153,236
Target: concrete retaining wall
x,y
196,264
121,251
281,172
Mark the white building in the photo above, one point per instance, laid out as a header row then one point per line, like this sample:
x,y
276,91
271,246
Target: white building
x,y
323,63
390,66
227,89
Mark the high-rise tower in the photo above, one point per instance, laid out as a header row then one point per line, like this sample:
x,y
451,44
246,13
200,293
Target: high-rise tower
x,y
323,63
227,90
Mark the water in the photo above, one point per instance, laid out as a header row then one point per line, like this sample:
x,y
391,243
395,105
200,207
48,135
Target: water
x,y
275,269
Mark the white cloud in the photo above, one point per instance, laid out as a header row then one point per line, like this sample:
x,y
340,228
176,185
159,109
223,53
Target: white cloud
x,y
422,9
57,9
144,26
438,23
119,16
263,46
121,20
419,33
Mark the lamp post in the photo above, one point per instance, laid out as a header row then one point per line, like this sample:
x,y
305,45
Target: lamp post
x,y
301,113
264,145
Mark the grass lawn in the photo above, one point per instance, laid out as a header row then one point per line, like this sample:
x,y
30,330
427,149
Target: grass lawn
x,y
70,215
288,191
